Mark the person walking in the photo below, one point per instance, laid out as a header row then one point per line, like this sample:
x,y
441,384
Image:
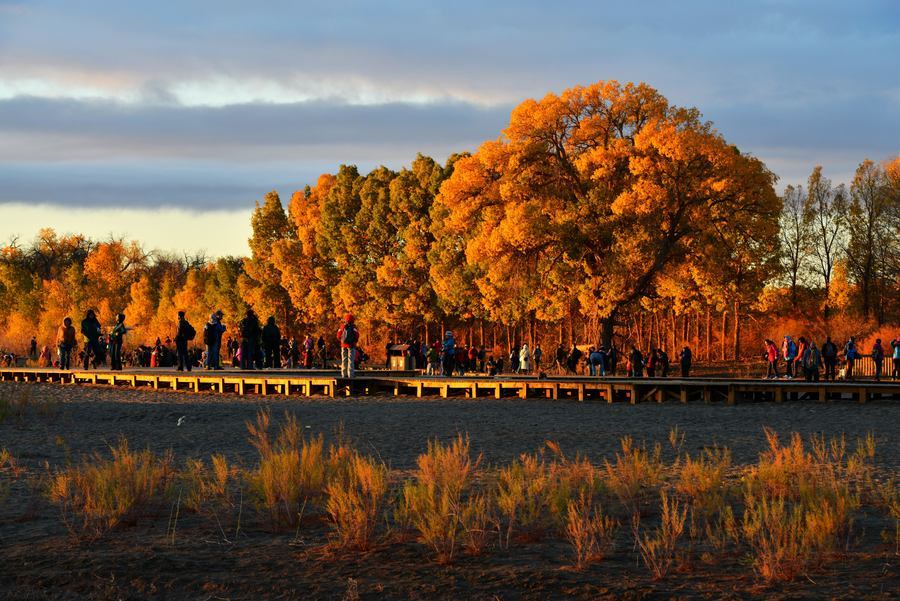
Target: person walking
x,y
184,333
249,331
65,342
829,353
348,336
271,339
685,359
878,358
92,332
850,355
116,337
895,346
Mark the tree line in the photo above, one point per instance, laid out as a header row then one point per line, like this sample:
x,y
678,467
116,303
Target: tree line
x,y
602,214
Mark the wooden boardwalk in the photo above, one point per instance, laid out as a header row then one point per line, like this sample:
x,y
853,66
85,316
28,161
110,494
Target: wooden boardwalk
x,y
328,383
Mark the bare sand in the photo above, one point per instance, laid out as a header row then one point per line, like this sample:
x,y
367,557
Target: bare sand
x,y
39,560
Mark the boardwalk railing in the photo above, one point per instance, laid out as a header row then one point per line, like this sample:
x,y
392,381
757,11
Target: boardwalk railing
x,y
728,390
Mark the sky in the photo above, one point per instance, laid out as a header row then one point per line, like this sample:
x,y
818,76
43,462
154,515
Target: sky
x,y
166,121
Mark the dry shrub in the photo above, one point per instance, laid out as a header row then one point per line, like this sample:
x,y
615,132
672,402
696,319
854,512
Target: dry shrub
x,y
702,480
202,485
522,490
658,550
799,504
635,473
99,494
355,503
434,501
293,469
591,534
477,516
9,462
774,531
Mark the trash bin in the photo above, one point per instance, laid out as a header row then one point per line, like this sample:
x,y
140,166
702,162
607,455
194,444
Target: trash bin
x,y
399,357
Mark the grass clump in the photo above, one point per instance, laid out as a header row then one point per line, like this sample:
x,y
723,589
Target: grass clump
x,y
659,548
356,501
99,494
635,473
590,533
437,499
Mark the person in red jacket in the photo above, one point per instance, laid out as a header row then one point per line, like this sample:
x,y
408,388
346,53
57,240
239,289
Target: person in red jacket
x,y
348,336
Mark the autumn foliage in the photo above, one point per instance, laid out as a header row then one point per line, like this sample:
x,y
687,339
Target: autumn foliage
x,y
600,213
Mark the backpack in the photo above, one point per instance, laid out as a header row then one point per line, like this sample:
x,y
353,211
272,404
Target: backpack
x,y
189,331
349,335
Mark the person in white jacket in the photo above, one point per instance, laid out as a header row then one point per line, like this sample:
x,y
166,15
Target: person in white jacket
x,y
525,359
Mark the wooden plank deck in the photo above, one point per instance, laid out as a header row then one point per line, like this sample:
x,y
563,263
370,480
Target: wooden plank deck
x,y
575,388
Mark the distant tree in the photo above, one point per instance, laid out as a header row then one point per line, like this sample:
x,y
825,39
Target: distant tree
x,y
824,213
794,238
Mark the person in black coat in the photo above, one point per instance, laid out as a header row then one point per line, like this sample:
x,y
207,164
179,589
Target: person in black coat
x,y
271,339
184,333
250,332
686,357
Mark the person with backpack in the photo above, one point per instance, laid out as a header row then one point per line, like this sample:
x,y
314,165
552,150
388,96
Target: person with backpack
x,y
789,352
92,332
878,358
212,338
249,330
116,338
184,333
637,363
65,340
829,352
772,359
811,359
348,336
271,339
850,355
595,362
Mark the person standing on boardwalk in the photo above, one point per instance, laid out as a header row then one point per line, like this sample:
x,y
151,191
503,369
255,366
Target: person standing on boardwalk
x,y
789,352
184,333
663,362
651,363
448,354
637,363
850,355
895,345
212,338
116,338
92,331
271,339
560,359
348,336
811,359
33,349
772,359
685,358
878,358
322,349
537,355
65,341
249,331
829,353
525,359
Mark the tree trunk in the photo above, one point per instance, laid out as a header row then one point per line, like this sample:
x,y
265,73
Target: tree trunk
x,y
708,333
481,331
508,340
723,342
608,325
737,330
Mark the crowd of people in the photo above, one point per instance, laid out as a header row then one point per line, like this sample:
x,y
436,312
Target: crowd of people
x,y
255,345
804,359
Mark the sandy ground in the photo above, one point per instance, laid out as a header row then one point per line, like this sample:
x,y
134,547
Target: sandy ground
x,y
39,560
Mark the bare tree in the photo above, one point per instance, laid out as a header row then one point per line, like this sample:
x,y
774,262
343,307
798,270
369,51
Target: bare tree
x,y
825,214
794,237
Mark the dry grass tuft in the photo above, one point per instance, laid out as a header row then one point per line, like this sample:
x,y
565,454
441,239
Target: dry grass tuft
x,y
434,501
590,532
100,494
658,550
356,502
635,473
